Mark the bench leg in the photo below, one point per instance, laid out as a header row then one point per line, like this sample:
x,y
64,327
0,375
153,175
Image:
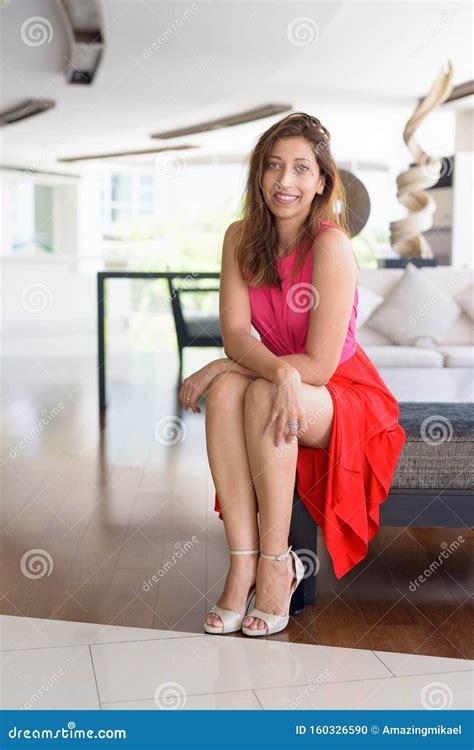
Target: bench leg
x,y
303,538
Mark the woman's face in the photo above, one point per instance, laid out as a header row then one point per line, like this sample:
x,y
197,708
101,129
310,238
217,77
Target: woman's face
x,y
291,177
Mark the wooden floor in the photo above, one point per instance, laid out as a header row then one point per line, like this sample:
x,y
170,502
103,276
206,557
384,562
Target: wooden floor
x,y
110,506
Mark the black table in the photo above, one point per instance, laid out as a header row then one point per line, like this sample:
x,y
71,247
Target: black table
x,y
102,277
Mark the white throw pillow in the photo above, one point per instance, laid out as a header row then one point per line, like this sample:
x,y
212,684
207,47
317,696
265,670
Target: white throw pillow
x,y
466,300
367,304
415,310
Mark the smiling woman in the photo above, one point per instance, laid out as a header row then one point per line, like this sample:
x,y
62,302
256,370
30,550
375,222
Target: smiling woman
x,y
288,269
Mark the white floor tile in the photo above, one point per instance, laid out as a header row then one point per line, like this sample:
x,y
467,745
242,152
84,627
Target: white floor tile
x,y
406,664
48,678
215,664
435,691
244,700
18,633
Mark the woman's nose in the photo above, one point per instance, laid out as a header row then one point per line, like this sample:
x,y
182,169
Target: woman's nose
x,y
287,178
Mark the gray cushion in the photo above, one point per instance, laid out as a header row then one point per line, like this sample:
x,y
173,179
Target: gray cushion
x,y
439,446
206,325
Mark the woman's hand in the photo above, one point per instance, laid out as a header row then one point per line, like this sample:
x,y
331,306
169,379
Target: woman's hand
x,y
196,384
287,407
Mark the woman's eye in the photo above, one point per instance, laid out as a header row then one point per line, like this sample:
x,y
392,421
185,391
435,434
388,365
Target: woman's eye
x,y
272,164
302,167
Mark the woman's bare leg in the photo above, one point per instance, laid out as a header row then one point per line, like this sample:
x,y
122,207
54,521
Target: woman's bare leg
x,y
228,461
274,471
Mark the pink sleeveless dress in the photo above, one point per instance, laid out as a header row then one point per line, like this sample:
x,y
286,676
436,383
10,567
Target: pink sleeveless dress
x,y
282,317
344,485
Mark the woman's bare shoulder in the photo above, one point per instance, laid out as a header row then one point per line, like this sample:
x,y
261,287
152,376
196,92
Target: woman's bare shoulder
x,y
234,230
333,245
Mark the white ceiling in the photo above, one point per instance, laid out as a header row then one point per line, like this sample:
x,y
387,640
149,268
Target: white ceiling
x,y
362,73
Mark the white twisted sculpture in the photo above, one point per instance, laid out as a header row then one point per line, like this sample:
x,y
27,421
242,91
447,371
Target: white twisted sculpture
x,y
406,237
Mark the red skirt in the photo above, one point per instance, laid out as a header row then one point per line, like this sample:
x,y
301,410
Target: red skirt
x,y
344,485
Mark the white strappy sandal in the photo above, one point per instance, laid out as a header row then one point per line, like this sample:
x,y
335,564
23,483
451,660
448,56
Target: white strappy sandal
x,y
232,621
275,623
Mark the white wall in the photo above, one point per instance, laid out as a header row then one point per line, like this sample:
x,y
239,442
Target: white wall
x,y
463,244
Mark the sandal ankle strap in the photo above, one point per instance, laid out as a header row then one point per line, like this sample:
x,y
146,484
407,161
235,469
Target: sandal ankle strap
x,y
283,556
244,552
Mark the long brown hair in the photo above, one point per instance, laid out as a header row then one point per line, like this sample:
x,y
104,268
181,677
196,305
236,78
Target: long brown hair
x,y
257,248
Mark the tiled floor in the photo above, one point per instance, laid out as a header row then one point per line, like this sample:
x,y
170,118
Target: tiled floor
x,y
49,664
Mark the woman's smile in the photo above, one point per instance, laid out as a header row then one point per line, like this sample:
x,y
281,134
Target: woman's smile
x,y
285,199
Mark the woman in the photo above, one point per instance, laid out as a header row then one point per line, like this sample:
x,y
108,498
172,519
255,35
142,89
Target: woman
x,y
305,402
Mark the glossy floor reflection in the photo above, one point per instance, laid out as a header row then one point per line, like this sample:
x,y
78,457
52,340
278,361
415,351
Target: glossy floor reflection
x,y
64,665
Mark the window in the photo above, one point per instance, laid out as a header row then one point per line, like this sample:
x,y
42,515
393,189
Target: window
x,y
31,218
126,195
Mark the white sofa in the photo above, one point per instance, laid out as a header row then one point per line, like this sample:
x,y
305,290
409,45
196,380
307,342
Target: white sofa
x,y
455,348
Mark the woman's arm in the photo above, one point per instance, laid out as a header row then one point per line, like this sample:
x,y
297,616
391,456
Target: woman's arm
x,y
300,362
235,319
334,267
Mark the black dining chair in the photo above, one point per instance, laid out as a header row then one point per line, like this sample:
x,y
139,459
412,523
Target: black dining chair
x,y
192,329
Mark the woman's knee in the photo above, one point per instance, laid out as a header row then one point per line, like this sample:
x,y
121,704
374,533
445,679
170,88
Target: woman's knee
x,y
258,394
227,388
